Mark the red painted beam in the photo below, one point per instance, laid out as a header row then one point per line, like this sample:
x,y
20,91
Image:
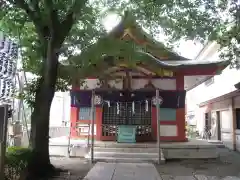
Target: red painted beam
x,y
196,71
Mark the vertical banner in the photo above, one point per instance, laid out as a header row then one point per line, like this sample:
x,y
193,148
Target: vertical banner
x,y
8,67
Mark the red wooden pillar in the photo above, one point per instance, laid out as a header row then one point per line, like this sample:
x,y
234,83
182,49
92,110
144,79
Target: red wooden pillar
x,y
98,123
73,120
181,111
74,111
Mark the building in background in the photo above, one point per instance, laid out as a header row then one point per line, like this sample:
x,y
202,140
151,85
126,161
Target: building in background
x,y
216,101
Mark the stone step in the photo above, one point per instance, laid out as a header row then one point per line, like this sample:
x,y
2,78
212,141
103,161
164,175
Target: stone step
x,y
125,145
125,157
126,150
125,160
218,144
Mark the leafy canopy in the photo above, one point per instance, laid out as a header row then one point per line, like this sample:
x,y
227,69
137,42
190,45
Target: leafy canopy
x,y
23,20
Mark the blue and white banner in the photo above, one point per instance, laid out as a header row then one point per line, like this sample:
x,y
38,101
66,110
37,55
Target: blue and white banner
x,y
8,67
6,89
8,47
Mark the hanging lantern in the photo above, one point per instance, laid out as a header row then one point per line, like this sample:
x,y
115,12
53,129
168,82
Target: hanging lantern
x,y
97,100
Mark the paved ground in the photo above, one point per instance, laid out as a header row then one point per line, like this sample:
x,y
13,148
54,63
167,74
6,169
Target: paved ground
x,y
123,171
78,168
227,165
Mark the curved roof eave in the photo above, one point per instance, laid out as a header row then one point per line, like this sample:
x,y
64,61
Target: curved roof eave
x,y
183,64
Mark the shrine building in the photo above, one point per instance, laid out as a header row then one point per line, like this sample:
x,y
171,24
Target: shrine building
x,y
128,102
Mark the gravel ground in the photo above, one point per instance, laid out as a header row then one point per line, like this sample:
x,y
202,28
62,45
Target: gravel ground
x,y
227,165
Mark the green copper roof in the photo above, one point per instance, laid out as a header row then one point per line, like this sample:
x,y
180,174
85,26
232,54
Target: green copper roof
x,y
154,47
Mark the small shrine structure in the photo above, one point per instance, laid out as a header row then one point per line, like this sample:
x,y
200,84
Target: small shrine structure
x,y
127,102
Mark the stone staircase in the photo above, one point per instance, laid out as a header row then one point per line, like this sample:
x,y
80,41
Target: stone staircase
x,y
128,153
148,152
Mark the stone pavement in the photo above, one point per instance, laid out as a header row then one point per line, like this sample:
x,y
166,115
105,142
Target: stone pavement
x,y
140,171
227,167
123,171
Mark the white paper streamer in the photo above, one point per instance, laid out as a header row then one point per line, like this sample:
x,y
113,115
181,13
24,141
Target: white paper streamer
x,y
118,109
108,102
178,101
133,107
146,105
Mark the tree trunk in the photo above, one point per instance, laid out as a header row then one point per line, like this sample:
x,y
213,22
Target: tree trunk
x,y
39,139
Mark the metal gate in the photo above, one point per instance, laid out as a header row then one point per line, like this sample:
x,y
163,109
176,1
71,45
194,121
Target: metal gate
x,y
128,113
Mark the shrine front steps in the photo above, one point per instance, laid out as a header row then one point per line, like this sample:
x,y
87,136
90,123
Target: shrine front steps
x,y
126,152
133,155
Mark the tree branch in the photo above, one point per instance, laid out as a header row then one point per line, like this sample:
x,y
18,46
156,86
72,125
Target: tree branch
x,y
34,15
35,4
52,16
69,20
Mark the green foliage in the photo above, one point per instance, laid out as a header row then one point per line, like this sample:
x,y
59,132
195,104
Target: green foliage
x,y
29,90
228,36
191,131
16,162
177,20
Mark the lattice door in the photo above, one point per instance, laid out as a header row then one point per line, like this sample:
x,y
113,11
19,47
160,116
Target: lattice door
x,y
125,113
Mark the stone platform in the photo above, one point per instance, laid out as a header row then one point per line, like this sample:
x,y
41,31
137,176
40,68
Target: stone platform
x,y
194,149
135,152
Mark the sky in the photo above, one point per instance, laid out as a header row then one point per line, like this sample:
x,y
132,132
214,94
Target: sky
x,y
188,49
